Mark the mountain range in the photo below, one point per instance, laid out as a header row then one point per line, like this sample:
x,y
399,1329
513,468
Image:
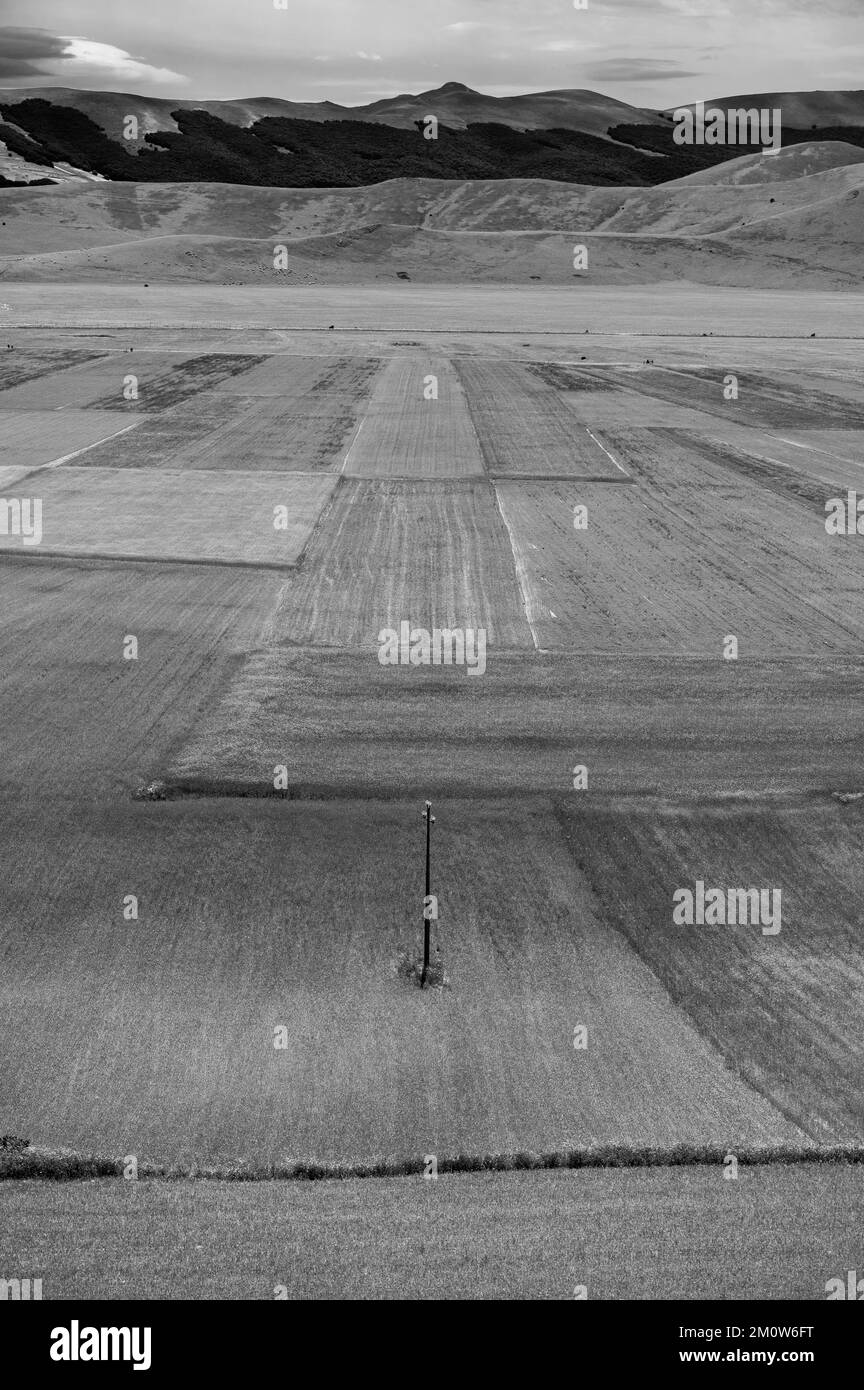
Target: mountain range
x,y
454,104
63,134
357,195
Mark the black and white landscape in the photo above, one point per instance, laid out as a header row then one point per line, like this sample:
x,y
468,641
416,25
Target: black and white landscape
x,y
468,426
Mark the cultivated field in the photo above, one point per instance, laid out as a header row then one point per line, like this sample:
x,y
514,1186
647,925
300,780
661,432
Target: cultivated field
x,y
33,438
525,427
776,1233
297,906
236,938
434,553
179,380
155,441
89,724
762,402
26,366
314,385
98,382
409,433
689,727
266,433
786,1010
222,517
676,567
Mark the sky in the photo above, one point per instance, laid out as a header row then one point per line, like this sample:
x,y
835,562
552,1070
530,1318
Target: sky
x,y
653,53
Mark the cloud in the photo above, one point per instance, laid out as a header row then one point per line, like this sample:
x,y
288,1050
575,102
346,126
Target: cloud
x,y
466,26
29,53
700,9
21,50
369,57
636,70
104,60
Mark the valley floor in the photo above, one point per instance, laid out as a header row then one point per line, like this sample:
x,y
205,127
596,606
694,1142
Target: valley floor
x,y
217,973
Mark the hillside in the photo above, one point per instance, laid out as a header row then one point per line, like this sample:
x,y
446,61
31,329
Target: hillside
x,y
801,109
755,229
288,152
791,162
574,137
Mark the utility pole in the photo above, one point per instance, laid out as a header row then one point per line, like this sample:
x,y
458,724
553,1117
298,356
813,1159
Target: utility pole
x,y
430,821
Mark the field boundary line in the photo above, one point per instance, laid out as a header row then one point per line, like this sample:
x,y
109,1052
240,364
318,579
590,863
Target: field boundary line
x,y
746,424
520,568
750,453
276,474
676,371
416,477
339,481
607,453
561,478
354,439
512,651
453,362
54,1166
812,449
102,557
221,325
55,463
191,788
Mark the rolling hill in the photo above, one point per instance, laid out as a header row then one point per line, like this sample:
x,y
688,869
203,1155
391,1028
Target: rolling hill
x,y
765,223
791,162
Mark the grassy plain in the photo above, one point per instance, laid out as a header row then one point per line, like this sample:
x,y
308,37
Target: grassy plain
x,y
645,311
